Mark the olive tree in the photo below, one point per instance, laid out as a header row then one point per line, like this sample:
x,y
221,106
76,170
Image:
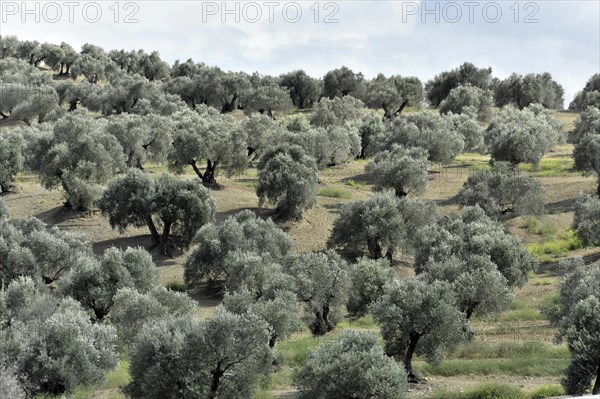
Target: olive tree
x,y
304,90
502,191
23,102
368,278
61,348
10,386
143,139
588,96
288,178
269,98
461,97
79,155
371,129
205,136
342,82
479,286
380,224
261,131
321,281
587,220
522,91
586,138
222,357
404,170
29,248
95,283
473,233
133,309
328,146
336,112
257,285
351,366
12,147
467,126
578,310
393,94
177,206
522,135
242,232
427,130
438,88
419,317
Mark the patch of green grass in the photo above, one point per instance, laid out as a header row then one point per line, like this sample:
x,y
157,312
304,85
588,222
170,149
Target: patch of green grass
x,y
511,350
365,322
546,391
559,166
524,366
117,378
547,230
566,241
334,193
487,391
175,285
355,184
293,352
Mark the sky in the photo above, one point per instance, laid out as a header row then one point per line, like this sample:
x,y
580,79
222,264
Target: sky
x,y
409,38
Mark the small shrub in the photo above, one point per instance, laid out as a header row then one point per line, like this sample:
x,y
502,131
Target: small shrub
x,y
178,286
546,391
355,184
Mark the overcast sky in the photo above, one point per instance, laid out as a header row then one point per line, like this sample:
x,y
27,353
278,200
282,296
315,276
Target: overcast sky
x,y
393,37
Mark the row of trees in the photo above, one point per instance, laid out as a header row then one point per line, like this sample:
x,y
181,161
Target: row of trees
x,y
197,83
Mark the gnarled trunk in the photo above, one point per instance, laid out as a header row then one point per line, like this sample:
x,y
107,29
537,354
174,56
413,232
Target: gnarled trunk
x,y
164,239
374,248
322,325
214,384
410,351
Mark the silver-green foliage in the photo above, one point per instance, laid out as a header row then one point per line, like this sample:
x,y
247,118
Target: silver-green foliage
x,y
587,220
351,366
586,138
368,278
12,147
427,130
380,224
58,348
79,155
461,97
288,178
94,283
133,309
242,232
404,170
321,283
28,248
502,191
419,317
579,315
221,357
525,135
470,234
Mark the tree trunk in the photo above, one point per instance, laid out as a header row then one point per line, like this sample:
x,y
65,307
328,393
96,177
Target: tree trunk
x,y
99,313
214,385
272,340
164,240
596,389
153,230
322,325
195,167
400,192
410,351
374,248
209,179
